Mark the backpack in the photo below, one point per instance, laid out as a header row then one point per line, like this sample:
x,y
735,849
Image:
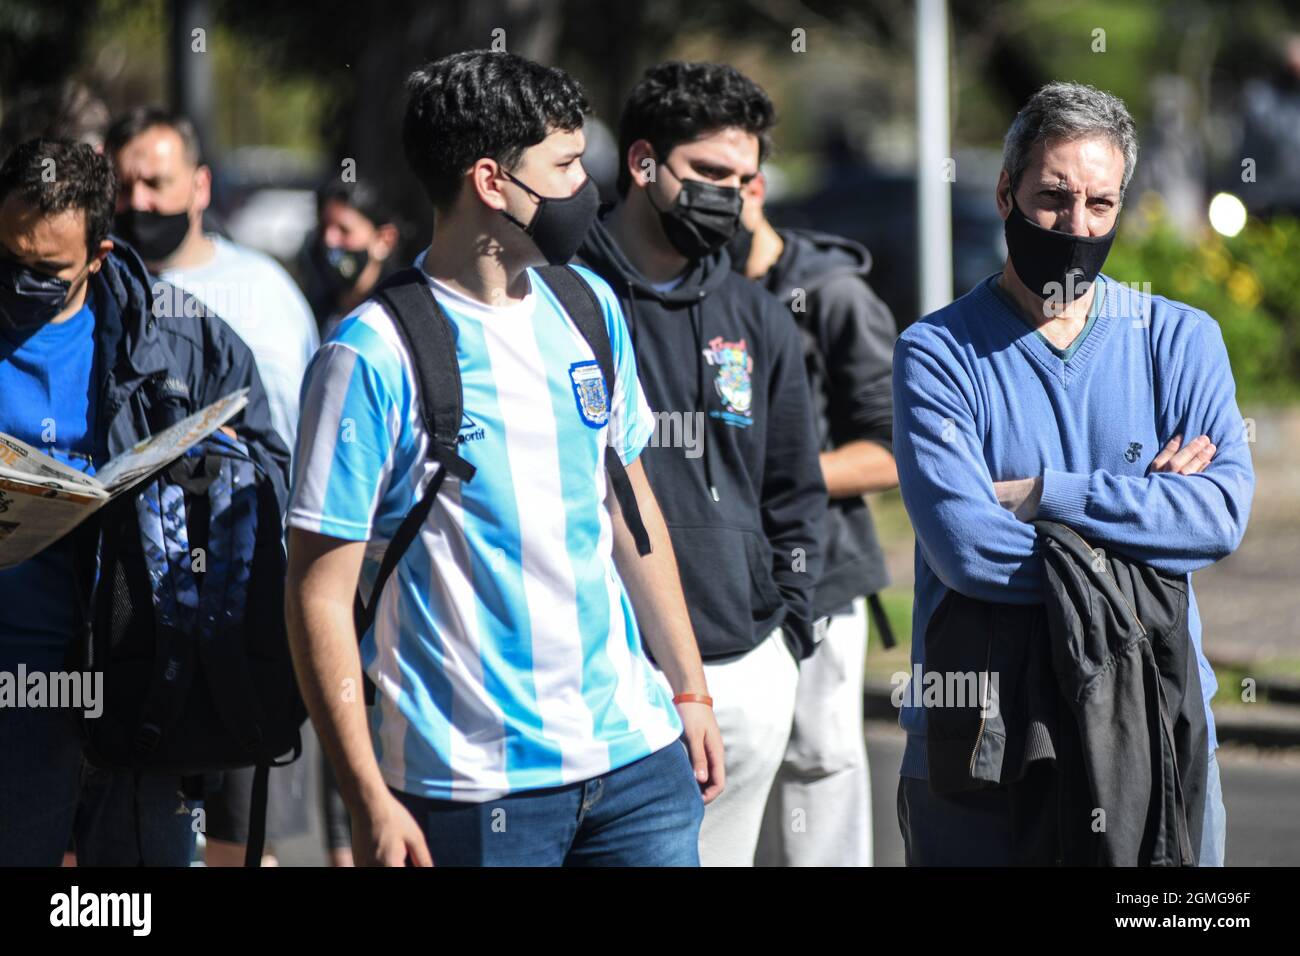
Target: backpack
x,y
431,342
188,627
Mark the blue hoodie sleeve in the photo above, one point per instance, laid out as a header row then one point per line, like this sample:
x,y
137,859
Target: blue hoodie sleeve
x,y
1175,523
974,545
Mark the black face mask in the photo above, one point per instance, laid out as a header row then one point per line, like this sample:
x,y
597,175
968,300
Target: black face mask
x,y
339,268
154,235
559,225
1056,266
702,219
738,248
29,299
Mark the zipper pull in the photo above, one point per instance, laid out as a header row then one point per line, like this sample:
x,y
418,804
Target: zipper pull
x,y
713,490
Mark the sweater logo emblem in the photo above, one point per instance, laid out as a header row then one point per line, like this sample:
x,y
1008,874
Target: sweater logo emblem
x,y
1134,449
732,382
589,391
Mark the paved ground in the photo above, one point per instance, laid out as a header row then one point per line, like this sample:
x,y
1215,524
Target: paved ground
x,y
1260,789
1250,601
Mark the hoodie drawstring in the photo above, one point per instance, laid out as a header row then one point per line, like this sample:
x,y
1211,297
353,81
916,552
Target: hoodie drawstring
x,y
696,324
697,328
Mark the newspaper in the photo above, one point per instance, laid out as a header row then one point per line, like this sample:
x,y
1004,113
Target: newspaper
x,y
41,499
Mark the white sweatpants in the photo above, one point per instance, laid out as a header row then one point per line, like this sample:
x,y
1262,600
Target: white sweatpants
x,y
753,702
819,811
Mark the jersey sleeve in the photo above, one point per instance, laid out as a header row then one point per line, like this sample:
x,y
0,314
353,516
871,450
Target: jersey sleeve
x,y
346,438
631,422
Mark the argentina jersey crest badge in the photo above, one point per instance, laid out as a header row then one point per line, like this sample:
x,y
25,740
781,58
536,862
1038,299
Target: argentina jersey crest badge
x,y
589,391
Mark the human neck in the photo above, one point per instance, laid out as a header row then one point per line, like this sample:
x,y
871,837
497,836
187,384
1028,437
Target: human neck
x,y
1037,311
355,294
765,250
480,268
75,303
197,250
635,226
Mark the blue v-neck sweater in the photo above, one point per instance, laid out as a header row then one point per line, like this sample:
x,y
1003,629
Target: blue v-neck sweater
x,y
979,397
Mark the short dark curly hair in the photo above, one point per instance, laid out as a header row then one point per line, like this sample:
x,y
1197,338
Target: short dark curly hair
x,y
481,103
55,175
676,103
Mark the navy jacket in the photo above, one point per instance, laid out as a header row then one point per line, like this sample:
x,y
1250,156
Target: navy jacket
x,y
160,356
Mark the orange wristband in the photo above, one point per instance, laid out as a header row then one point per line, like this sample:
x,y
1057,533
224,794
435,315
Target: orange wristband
x,y
693,699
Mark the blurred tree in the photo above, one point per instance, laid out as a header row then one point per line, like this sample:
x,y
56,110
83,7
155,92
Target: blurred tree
x,y
359,57
40,42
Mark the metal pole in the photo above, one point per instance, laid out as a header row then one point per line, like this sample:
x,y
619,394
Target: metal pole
x,y
933,185
191,68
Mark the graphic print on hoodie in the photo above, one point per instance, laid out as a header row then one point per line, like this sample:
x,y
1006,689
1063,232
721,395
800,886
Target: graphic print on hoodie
x,y
745,513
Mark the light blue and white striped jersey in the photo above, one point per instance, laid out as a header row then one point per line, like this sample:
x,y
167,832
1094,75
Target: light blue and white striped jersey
x,y
504,652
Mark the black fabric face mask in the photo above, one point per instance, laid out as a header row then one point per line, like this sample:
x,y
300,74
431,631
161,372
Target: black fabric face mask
x,y
154,235
738,248
1056,266
559,225
702,219
339,268
29,299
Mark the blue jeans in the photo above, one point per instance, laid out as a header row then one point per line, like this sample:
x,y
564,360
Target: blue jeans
x,y
1214,832
645,814
49,795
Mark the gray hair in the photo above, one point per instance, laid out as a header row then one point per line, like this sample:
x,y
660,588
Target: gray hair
x,y
1068,111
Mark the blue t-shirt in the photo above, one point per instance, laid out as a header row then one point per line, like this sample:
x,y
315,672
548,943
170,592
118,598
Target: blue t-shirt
x,y
46,400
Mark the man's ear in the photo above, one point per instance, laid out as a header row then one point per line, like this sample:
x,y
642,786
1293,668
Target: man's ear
x,y
1003,195
485,180
385,241
97,260
202,189
753,193
642,163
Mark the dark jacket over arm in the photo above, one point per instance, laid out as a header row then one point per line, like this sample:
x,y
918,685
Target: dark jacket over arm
x,y
1101,679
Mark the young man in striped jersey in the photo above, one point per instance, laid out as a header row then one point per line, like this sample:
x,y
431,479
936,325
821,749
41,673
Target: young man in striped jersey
x,y
517,719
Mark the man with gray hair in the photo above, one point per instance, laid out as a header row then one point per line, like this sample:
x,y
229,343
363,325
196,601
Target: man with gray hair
x,y
1051,392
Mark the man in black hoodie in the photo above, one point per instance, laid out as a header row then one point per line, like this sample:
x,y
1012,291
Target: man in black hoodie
x,y
734,458
848,335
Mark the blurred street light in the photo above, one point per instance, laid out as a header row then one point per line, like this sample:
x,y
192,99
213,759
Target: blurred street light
x,y
1227,214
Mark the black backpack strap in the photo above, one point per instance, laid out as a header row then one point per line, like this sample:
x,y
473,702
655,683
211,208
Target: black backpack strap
x,y
880,621
256,843
431,342
584,309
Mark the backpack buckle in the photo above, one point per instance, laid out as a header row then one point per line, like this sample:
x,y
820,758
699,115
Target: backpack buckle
x,y
447,456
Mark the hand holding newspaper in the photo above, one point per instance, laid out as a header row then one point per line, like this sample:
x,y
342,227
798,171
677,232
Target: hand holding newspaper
x,y
41,499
